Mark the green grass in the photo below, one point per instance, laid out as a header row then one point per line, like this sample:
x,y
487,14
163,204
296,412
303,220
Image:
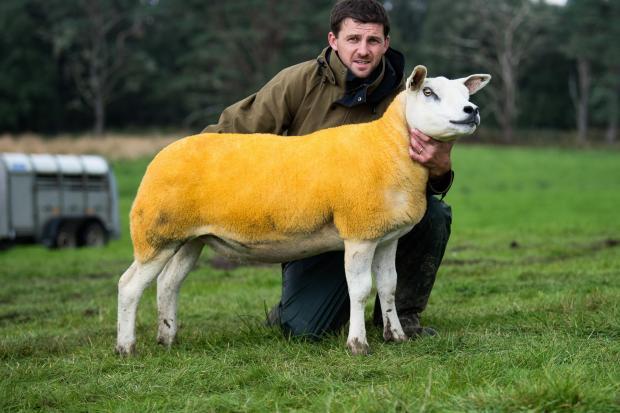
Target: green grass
x,y
527,303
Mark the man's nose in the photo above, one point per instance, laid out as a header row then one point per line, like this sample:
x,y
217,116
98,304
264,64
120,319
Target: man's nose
x,y
363,49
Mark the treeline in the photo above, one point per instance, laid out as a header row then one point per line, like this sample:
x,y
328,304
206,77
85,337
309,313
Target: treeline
x,y
75,65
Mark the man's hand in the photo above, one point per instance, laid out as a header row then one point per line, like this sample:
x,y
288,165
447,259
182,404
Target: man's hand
x,y
434,155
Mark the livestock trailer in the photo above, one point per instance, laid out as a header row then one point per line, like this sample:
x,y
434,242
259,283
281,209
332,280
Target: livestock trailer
x,y
57,200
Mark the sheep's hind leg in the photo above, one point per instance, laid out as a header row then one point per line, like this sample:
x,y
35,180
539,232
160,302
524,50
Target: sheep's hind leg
x,y
357,261
130,288
168,285
384,269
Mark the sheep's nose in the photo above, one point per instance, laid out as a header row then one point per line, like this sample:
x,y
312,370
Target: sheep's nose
x,y
470,110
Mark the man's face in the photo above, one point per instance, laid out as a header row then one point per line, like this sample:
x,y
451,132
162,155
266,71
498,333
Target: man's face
x,y
360,46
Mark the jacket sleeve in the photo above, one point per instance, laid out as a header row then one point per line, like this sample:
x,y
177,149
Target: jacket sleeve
x,y
266,111
440,185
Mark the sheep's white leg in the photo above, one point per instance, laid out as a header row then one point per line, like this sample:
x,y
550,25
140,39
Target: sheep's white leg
x,y
130,289
168,285
358,258
384,269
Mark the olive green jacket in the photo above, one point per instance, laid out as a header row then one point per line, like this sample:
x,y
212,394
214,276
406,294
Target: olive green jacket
x,y
315,95
304,98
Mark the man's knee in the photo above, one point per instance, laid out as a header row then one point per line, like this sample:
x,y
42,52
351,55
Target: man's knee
x,y
434,227
315,298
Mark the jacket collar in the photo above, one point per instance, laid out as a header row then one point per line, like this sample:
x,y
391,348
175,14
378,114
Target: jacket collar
x,y
388,78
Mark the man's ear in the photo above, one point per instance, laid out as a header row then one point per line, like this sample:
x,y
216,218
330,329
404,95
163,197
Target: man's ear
x,y
416,80
331,39
474,83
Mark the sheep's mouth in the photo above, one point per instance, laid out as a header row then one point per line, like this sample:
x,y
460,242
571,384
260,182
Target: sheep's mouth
x,y
473,120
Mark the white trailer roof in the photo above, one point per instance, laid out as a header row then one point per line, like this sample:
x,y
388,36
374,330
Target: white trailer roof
x,y
17,162
55,164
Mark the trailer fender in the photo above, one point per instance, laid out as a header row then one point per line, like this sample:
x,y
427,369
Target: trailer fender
x,y
61,232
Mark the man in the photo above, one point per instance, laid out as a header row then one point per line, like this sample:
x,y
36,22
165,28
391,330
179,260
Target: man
x,y
352,81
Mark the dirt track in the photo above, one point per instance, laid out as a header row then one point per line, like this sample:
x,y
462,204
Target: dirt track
x,y
110,146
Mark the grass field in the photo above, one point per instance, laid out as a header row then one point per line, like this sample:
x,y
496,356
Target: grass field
x,y
527,304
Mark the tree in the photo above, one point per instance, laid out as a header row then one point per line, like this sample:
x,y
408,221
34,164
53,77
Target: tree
x,y
407,22
226,50
28,73
92,39
579,16
590,43
611,65
500,37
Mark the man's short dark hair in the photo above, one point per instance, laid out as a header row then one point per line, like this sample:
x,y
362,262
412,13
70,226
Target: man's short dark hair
x,y
363,11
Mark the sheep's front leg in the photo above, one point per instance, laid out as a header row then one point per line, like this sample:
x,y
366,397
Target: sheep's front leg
x,y
384,269
358,258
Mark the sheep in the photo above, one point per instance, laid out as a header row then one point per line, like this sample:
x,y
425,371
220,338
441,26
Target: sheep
x,y
272,198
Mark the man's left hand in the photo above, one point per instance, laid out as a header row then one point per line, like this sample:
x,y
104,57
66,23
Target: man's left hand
x,y
433,154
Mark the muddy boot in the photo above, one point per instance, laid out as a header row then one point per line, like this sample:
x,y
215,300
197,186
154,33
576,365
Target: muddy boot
x,y
412,327
418,257
409,321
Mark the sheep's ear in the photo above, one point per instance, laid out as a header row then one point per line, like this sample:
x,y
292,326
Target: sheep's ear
x,y
474,83
416,80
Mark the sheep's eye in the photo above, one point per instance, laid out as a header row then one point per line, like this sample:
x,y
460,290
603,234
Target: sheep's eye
x,y
427,91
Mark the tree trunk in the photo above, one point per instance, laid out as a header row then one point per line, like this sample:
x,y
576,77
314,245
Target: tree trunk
x,y
509,104
584,81
510,107
99,111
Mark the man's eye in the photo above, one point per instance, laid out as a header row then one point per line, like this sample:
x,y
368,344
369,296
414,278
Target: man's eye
x,y
427,91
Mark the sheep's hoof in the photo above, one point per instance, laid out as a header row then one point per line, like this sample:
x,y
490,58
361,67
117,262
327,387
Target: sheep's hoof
x,y
393,335
357,347
126,350
165,340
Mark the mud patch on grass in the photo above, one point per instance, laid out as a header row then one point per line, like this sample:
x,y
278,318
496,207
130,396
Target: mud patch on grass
x,y
574,251
99,276
14,317
90,312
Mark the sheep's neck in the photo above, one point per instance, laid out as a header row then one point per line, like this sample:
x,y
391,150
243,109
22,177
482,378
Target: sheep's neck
x,y
392,129
393,124
391,133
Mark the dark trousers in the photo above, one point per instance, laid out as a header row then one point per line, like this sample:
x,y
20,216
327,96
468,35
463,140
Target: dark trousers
x,y
315,298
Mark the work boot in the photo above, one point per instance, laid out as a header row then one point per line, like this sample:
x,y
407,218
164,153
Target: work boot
x,y
412,327
409,321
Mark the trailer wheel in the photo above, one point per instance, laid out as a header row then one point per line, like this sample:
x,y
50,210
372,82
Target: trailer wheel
x,y
93,235
65,237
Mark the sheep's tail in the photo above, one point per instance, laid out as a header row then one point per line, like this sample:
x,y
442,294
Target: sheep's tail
x,y
148,233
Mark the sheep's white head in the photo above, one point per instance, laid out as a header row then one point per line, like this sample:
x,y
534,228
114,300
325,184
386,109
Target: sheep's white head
x,y
440,107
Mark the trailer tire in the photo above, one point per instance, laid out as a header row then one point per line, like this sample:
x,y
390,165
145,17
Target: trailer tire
x,y
92,234
65,236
